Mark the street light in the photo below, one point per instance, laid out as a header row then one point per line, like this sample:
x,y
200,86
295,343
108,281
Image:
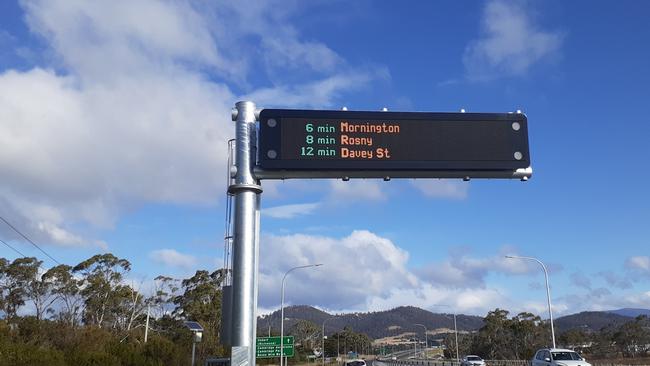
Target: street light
x,y
282,307
548,291
455,331
426,341
323,340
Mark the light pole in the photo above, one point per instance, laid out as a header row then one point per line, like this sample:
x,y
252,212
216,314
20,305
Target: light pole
x,y
548,291
455,331
282,307
426,340
323,340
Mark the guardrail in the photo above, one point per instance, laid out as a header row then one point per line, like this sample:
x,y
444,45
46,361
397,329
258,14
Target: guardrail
x,y
422,362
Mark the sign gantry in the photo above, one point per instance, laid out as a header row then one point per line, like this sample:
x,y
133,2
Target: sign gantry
x,y
349,144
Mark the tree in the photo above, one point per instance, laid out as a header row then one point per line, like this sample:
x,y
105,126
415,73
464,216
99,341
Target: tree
x,y
201,298
632,338
66,289
306,333
163,298
574,338
526,335
3,284
101,286
201,301
20,280
494,338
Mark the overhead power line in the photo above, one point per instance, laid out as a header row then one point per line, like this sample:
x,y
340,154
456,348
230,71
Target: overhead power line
x,y
12,248
29,240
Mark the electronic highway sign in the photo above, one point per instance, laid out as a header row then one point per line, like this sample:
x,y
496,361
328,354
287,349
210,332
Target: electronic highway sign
x,y
391,141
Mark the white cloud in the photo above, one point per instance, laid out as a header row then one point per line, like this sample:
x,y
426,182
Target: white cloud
x,y
616,280
442,188
581,280
355,190
316,93
638,263
511,42
290,211
465,271
124,111
172,258
356,267
441,299
361,272
640,300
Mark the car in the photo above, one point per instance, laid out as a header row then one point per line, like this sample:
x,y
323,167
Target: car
x,y
357,362
558,357
472,360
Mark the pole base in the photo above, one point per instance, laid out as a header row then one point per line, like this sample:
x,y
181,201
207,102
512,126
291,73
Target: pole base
x,y
239,356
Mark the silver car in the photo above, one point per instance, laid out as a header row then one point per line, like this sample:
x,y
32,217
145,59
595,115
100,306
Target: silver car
x,y
558,357
472,360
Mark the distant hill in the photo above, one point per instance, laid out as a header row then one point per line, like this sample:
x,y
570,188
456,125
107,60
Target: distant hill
x,y
402,319
375,324
590,320
631,312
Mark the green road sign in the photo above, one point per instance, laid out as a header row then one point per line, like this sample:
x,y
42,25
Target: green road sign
x,y
269,347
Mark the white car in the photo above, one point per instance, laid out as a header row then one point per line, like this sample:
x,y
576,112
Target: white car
x,y
558,357
472,360
355,363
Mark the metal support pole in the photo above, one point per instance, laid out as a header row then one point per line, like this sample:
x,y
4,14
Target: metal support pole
x,y
548,291
323,340
426,340
456,334
193,352
146,329
246,191
415,348
282,306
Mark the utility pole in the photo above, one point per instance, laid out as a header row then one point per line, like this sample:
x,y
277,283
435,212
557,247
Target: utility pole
x,y
246,191
146,329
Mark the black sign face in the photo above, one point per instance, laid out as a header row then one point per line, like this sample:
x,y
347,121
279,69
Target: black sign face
x,y
353,140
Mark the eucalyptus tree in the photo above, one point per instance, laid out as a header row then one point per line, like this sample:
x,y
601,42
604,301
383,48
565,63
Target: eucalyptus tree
x,y
101,287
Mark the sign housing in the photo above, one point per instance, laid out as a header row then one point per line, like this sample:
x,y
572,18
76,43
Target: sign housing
x,y
301,140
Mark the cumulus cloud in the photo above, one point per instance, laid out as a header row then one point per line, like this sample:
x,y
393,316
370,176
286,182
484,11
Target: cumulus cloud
x,y
290,211
510,44
439,188
581,280
121,112
316,93
363,271
464,271
616,280
356,267
638,263
355,190
172,258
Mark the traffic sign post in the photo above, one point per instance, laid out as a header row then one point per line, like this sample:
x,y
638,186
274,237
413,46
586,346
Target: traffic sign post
x,y
347,144
269,347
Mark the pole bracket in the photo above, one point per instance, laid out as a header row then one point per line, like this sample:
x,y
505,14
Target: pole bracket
x,y
235,188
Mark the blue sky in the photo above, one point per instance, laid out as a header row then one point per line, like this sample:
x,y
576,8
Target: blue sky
x,y
114,119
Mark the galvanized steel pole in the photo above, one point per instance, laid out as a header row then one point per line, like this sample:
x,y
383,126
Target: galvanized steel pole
x,y
548,291
456,334
426,340
246,191
323,340
282,307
